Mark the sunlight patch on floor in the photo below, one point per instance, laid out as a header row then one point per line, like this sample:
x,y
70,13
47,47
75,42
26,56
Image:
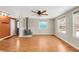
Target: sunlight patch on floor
x,y
61,48
17,44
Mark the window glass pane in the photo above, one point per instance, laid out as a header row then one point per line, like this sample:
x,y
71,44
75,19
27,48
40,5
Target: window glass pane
x,y
43,25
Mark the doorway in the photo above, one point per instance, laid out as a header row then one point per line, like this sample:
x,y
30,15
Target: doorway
x,y
17,28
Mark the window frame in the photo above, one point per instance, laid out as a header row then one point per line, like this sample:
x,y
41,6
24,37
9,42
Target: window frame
x,y
45,25
74,25
59,24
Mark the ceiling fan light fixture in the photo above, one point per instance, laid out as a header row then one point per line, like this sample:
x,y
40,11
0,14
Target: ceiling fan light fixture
x,y
40,12
3,13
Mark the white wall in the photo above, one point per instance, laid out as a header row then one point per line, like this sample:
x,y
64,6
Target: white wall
x,y
22,26
12,27
34,26
68,37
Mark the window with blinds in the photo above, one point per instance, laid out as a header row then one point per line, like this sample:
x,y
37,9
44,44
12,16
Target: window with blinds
x,y
76,24
62,25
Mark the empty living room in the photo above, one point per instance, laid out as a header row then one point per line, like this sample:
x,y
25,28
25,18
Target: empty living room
x,y
39,28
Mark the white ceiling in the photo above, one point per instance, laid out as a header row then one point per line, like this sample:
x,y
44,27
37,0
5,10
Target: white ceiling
x,y
25,11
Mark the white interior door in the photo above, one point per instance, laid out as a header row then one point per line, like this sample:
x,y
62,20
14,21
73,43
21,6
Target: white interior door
x,y
12,27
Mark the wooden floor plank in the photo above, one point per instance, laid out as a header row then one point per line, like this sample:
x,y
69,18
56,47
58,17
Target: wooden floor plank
x,y
35,44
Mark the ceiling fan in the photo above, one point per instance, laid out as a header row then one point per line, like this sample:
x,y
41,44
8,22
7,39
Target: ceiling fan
x,y
40,12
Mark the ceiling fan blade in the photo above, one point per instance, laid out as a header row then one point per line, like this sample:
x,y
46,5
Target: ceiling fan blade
x,y
43,11
44,14
34,11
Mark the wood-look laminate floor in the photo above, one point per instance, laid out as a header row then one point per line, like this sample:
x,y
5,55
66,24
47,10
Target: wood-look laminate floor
x,y
35,44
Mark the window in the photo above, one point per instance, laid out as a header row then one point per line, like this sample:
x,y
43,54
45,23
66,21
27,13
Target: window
x,y
62,25
43,25
76,25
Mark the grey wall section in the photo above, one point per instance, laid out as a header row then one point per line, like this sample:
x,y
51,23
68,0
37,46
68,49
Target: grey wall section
x,y
68,37
34,26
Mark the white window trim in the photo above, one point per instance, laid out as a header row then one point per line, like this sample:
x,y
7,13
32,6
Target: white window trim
x,y
62,32
74,30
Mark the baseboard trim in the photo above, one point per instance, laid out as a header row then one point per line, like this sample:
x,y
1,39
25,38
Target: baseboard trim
x,y
42,34
26,36
5,37
67,42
